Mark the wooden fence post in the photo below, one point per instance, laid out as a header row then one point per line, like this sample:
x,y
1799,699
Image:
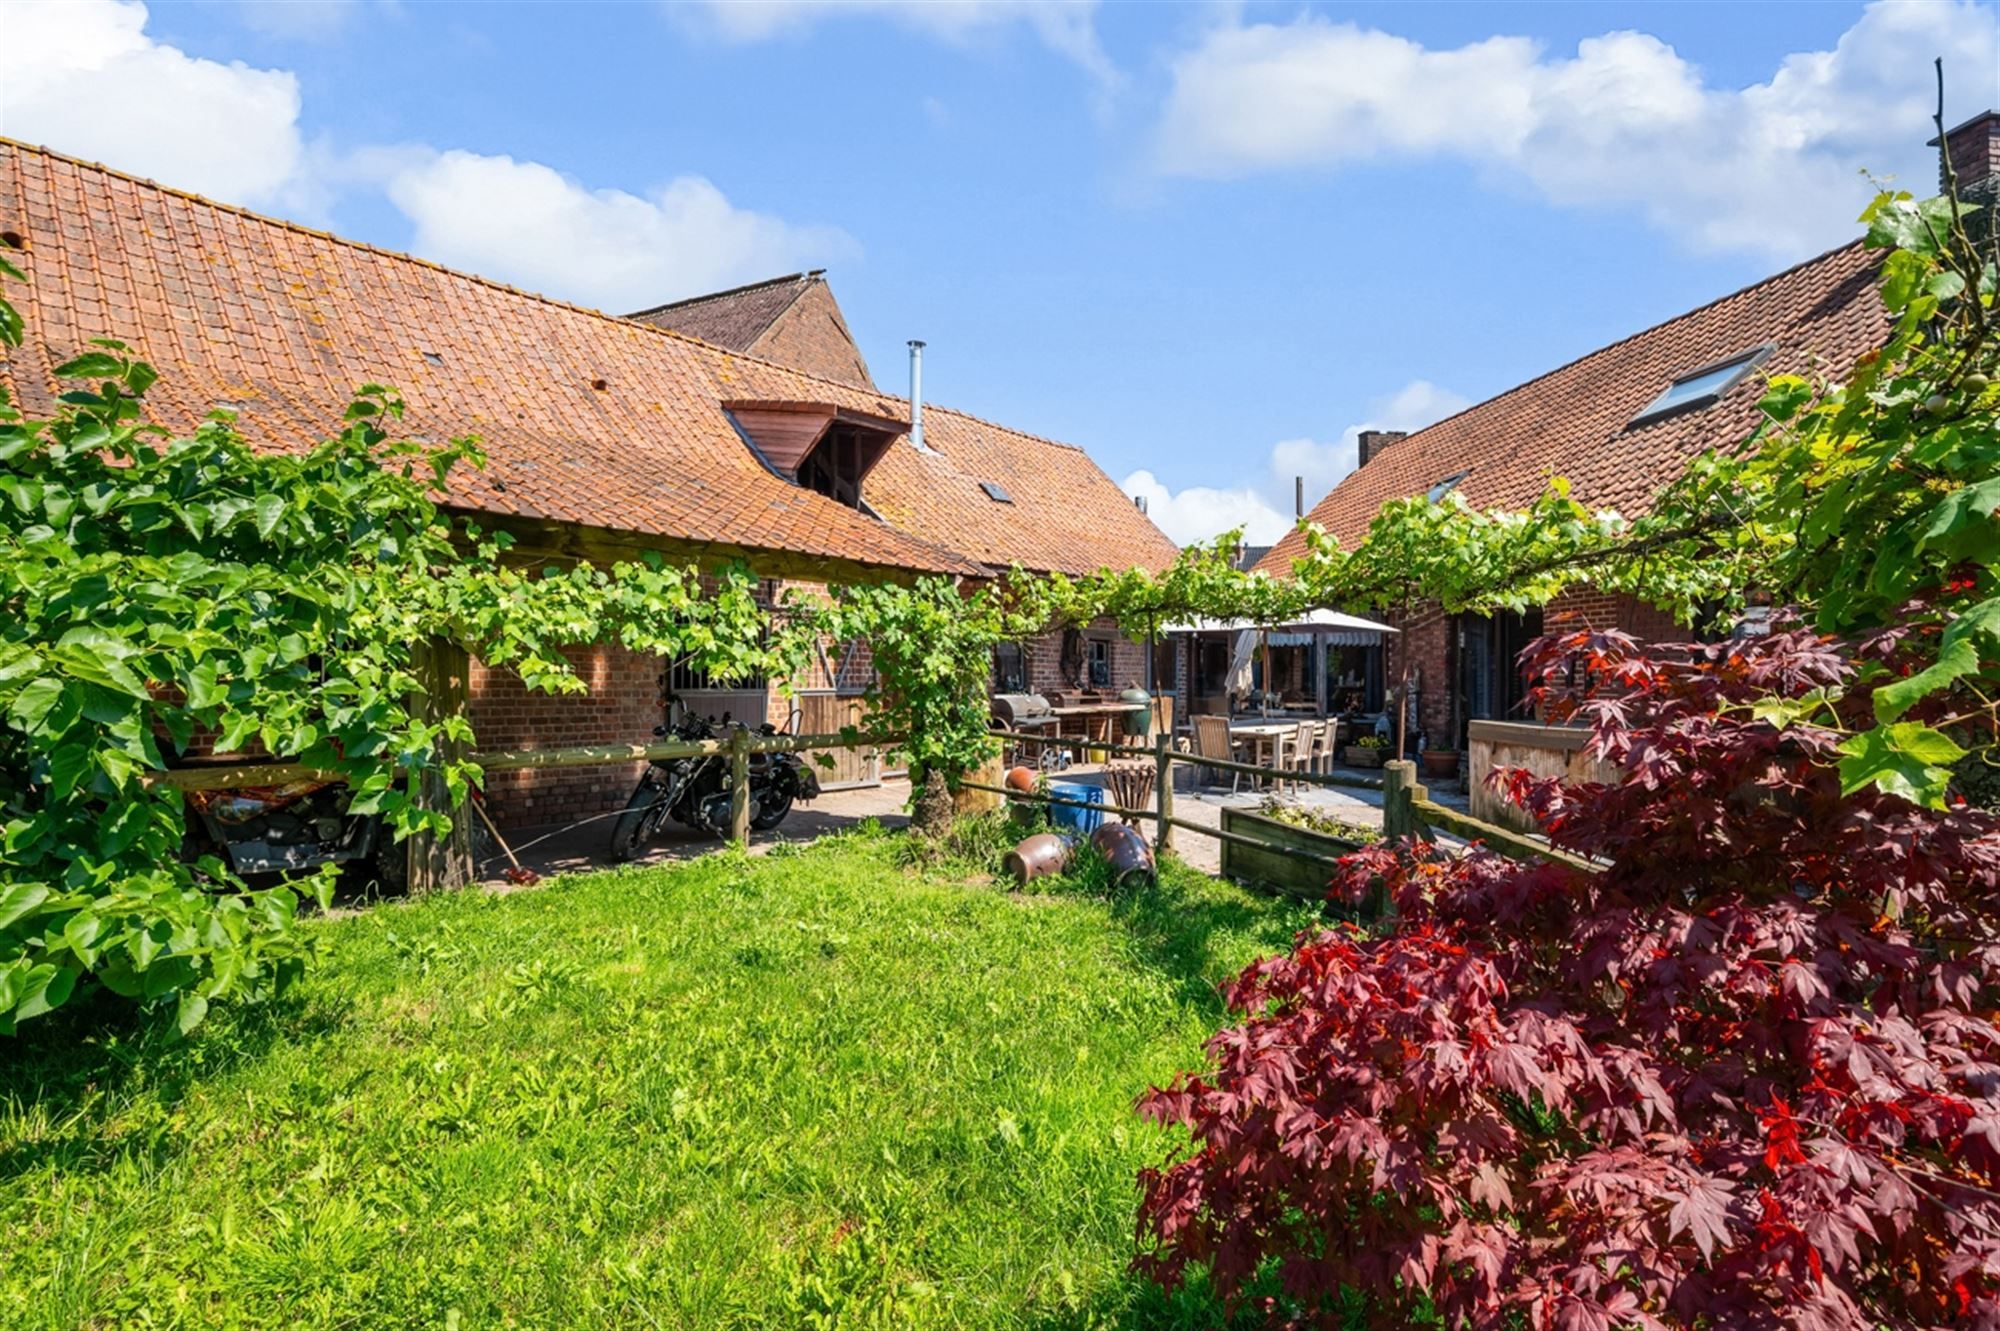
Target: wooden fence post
x,y
1400,793
437,862
1163,787
739,786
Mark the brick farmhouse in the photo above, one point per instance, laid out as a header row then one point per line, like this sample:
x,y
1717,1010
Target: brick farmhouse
x,y
740,425
1619,424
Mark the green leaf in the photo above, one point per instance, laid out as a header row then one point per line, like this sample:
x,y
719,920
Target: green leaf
x,y
1967,639
91,365
193,1008
1907,759
34,702
18,900
268,508
48,988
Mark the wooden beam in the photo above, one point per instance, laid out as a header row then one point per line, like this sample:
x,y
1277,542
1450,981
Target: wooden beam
x,y
442,861
221,776
539,540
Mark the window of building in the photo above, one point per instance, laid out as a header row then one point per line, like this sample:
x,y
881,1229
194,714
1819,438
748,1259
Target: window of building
x,y
1010,668
1446,486
1701,388
996,492
1100,663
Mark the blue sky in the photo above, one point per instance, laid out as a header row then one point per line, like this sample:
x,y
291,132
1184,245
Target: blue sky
x,y
1206,242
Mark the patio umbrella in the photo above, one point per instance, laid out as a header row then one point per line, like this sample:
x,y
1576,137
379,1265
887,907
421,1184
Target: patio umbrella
x,y
1239,676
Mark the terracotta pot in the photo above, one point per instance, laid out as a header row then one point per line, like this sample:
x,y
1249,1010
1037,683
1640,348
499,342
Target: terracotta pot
x,y
1021,779
1037,857
1359,756
1441,763
1124,848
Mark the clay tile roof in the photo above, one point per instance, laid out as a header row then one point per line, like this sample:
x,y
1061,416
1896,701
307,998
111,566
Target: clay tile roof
x,y
1066,515
1576,421
735,318
587,419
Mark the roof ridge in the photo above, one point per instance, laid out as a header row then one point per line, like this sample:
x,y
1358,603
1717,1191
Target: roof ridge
x,y
802,278
1857,243
557,302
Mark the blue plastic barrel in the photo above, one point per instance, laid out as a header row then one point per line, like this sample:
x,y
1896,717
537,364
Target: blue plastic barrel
x,y
1085,821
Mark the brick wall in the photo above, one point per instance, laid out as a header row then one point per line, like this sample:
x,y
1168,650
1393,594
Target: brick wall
x,y
1588,608
1427,635
812,336
1425,641
1044,660
621,708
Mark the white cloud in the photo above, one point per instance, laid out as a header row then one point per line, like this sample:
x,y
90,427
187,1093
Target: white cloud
x,y
84,78
529,224
305,20
1626,121
1200,512
1065,26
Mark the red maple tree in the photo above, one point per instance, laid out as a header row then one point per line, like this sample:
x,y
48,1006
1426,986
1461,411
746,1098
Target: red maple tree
x,y
1747,1074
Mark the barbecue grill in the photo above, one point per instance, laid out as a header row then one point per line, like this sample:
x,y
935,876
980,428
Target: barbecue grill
x,y
1026,714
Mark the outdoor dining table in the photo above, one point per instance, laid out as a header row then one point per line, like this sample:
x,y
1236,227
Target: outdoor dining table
x,y
1094,718
1263,737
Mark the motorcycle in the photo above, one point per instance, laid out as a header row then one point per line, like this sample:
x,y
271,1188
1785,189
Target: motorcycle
x,y
696,791
300,825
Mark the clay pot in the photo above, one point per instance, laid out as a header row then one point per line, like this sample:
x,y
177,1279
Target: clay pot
x,y
1037,857
1441,763
1021,779
1124,848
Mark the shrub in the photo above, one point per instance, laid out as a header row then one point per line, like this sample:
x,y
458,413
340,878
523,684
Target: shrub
x,y
160,593
1319,820
1744,1076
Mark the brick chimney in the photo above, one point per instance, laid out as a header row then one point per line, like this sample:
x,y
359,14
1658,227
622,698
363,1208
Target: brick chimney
x,y
1974,152
1374,441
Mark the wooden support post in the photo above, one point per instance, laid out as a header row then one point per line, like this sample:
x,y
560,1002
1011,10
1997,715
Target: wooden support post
x,y
1400,793
739,787
438,862
1163,787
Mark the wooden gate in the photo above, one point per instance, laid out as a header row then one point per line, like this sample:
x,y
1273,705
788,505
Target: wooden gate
x,y
824,712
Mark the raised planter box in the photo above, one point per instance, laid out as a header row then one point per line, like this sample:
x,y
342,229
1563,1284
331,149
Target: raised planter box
x,y
1360,755
1276,869
1541,750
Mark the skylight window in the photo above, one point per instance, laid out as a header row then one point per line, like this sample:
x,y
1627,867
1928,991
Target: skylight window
x,y
995,493
1703,387
1446,486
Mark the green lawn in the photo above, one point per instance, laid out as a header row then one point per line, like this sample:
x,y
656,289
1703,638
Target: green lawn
x,y
817,1089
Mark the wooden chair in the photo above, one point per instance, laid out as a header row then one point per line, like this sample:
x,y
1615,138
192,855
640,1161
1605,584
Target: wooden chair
x,y
1313,759
1212,740
1296,749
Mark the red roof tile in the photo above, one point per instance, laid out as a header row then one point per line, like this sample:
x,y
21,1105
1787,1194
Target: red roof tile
x,y
1575,422
586,418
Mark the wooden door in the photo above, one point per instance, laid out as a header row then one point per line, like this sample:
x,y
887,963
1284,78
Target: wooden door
x,y
824,712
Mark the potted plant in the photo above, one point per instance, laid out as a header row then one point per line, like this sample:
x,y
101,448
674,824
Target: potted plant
x,y
1440,764
1366,751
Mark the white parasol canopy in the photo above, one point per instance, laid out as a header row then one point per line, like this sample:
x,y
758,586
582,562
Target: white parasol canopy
x,y
1339,630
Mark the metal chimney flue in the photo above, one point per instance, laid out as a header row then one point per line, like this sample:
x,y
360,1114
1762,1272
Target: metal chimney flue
x,y
917,395
1298,496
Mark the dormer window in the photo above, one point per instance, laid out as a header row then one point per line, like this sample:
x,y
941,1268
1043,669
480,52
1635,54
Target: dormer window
x,y
1703,387
817,446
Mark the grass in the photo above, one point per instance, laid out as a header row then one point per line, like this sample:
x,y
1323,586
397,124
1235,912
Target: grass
x,y
841,1087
